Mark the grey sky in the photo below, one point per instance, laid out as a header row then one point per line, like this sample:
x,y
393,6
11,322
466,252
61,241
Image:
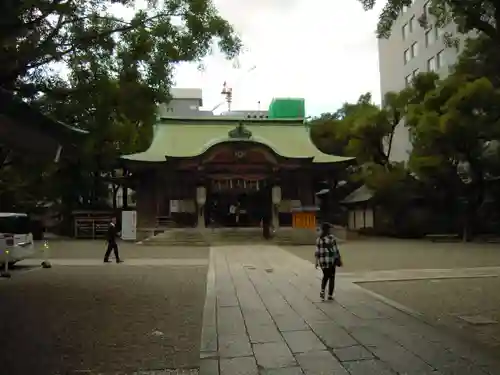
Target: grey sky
x,y
322,50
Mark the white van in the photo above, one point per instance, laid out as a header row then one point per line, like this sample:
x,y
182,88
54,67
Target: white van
x,y
16,237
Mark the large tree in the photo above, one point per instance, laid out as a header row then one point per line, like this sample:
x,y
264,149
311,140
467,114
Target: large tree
x,y
83,64
456,129
36,33
365,131
362,130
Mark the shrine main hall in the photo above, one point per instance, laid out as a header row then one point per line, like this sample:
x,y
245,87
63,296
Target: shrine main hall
x,y
226,171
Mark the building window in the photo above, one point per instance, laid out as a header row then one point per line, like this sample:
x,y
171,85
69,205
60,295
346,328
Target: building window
x,y
407,56
408,80
431,64
438,33
426,10
414,50
415,73
430,37
411,24
440,60
404,31
405,8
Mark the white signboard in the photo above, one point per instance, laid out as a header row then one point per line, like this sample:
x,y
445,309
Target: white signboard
x,y
174,206
129,225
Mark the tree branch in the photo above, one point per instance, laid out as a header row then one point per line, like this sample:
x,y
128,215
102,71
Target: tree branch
x,y
13,28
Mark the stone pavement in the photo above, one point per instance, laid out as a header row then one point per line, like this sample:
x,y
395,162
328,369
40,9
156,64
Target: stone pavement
x,y
263,315
127,262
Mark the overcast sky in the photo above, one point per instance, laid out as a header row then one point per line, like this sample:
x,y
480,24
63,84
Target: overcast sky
x,y
322,50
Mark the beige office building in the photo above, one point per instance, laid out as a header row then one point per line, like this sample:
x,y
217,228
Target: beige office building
x,y
409,50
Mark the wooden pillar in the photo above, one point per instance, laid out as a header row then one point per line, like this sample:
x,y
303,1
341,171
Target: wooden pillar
x,y
200,200
306,190
275,219
146,202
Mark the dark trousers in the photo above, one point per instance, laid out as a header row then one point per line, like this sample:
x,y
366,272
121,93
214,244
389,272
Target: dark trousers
x,y
328,278
112,245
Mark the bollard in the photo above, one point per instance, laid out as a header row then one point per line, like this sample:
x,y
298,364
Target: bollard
x,y
5,272
46,262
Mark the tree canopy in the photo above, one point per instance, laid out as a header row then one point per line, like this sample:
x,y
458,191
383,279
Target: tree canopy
x,y
36,33
103,66
358,129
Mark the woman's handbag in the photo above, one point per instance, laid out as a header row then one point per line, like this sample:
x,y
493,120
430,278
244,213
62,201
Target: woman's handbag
x,y
338,259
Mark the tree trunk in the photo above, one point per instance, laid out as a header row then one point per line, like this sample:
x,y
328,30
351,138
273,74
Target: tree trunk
x,y
115,193
125,191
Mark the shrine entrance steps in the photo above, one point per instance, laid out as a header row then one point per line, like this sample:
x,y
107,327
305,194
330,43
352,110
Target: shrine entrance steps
x,y
230,236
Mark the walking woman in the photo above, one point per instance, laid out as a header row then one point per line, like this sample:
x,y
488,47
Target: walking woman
x,y
328,257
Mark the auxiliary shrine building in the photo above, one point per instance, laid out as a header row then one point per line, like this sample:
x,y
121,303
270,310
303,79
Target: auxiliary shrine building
x,y
231,170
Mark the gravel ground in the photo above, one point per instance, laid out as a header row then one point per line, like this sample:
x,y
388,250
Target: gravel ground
x,y
105,318
387,254
96,249
443,301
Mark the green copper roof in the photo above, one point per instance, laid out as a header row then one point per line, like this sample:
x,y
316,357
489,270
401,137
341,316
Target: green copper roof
x,y
192,138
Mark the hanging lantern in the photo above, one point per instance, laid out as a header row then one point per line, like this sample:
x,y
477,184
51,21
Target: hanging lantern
x,y
201,195
276,195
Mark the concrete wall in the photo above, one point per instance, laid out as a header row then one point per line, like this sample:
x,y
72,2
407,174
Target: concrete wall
x,y
185,102
182,107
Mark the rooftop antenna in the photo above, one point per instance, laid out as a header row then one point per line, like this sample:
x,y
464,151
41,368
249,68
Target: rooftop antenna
x,y
258,106
228,91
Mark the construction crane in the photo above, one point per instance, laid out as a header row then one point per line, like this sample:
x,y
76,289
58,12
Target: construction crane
x,y
227,91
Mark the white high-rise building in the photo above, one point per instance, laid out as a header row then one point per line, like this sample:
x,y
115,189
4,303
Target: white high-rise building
x,y
409,50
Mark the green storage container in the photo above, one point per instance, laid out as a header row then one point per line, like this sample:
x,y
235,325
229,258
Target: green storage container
x,y
287,108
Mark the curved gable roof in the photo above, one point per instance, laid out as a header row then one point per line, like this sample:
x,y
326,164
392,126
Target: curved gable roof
x,y
190,140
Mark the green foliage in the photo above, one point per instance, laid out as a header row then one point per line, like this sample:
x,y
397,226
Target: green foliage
x,y
481,16
480,58
455,127
364,130
452,124
359,129
35,33
79,62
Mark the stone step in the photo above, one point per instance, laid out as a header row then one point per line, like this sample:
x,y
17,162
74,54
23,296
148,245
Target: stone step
x,y
225,236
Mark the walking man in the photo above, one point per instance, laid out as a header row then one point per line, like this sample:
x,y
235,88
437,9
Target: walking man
x,y
111,237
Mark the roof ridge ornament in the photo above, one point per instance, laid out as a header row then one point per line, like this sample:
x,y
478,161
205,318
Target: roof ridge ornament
x,y
240,132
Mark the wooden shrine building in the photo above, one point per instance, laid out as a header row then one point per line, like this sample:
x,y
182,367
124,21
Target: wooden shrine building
x,y
227,171
21,125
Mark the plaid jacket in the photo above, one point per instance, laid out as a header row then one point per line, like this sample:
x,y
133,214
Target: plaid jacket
x,y
326,251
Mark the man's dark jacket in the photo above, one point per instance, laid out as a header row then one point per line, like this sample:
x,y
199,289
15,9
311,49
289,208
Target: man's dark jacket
x,y
112,233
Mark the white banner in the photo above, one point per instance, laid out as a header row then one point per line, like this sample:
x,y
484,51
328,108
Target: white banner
x,y
129,225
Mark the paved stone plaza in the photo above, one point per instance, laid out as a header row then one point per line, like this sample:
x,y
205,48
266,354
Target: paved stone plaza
x,y
262,311
262,315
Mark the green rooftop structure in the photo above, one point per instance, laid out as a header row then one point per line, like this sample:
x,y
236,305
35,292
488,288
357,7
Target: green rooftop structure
x,y
231,171
287,108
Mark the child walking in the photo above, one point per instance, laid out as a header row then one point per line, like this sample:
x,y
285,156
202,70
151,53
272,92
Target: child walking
x,y
328,257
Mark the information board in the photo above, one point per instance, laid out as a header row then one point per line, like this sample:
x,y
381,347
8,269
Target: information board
x,y
129,225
